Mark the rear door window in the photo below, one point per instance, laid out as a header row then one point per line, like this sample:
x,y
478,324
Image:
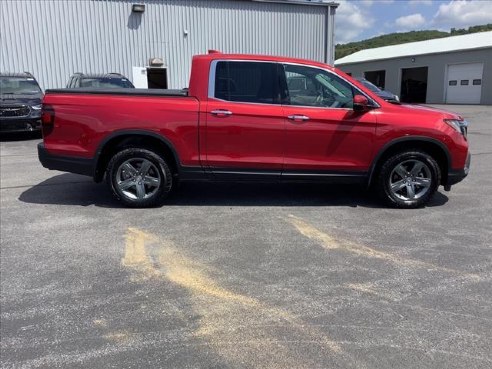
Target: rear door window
x,y
245,81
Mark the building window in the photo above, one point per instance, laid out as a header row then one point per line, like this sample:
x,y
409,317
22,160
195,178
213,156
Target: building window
x,y
453,83
477,82
464,82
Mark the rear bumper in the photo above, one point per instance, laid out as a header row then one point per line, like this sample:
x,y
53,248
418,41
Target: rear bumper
x,y
65,163
20,125
456,176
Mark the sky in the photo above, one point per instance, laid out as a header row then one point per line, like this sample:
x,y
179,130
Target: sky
x,y
357,20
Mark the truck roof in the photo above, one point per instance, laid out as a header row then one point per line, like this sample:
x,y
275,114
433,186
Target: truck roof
x,y
100,75
16,74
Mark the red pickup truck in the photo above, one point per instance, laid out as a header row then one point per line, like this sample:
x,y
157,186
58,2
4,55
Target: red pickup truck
x,y
250,117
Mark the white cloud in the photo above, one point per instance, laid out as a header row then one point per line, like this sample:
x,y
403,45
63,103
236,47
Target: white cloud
x,y
460,13
367,3
372,2
420,2
351,21
411,21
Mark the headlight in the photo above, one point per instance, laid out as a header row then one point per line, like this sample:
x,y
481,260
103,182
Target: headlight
x,y
459,125
36,107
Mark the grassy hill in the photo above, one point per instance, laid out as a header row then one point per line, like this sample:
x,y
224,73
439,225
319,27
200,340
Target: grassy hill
x,y
342,50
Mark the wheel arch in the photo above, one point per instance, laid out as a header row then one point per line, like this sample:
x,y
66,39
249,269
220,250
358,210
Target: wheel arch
x,y
433,147
137,138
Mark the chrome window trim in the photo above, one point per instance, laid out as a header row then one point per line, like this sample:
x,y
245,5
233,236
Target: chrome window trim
x,y
211,79
245,102
212,74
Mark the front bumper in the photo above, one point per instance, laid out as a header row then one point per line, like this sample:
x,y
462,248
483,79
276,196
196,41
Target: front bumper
x,y
456,176
65,163
20,125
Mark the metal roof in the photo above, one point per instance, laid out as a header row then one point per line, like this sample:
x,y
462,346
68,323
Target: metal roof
x,y
470,41
330,4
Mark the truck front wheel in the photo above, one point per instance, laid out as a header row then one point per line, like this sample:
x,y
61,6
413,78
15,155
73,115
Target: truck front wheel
x,y
408,179
139,178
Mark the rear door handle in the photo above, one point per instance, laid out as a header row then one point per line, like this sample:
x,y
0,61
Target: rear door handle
x,y
221,112
298,118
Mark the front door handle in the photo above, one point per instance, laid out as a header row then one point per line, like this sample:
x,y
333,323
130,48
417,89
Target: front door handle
x,y
221,112
298,118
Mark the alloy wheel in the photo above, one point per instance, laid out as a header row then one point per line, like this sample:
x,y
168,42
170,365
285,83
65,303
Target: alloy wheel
x,y
410,180
138,178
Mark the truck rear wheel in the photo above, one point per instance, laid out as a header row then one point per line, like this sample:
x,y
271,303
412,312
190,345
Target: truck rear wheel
x,y
408,179
139,178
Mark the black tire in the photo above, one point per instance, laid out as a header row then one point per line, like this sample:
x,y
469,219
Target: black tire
x,y
408,179
130,185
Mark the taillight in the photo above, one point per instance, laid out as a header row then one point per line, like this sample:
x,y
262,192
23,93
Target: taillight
x,y
47,119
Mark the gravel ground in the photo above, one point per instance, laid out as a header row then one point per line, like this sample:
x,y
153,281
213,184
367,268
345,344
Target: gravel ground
x,y
244,276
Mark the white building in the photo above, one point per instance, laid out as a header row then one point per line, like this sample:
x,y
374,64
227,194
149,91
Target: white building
x,y
150,40
452,70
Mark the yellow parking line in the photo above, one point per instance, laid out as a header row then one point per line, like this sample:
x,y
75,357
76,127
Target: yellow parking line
x,y
136,256
331,243
226,316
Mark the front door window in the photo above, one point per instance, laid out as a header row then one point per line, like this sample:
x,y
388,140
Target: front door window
x,y
307,86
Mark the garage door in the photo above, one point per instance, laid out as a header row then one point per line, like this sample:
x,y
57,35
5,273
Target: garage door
x,y
464,85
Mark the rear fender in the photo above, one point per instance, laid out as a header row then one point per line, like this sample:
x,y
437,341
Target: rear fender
x,y
108,145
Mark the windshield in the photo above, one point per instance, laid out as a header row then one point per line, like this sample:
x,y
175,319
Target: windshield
x,y
369,85
106,83
19,86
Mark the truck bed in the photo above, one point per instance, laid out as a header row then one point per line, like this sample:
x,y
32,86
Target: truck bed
x,y
85,118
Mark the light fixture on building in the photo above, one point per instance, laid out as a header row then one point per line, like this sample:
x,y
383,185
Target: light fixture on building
x,y
156,62
413,60
138,8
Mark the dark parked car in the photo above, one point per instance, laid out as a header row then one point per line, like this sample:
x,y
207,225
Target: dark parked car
x,y
20,103
109,80
386,95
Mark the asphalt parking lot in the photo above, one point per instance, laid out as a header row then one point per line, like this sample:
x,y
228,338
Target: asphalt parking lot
x,y
244,275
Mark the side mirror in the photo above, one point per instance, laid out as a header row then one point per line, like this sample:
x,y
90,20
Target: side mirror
x,y
361,103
